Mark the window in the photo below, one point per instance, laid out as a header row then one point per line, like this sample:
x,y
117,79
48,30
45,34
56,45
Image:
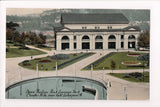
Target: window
x,y
122,44
109,27
75,45
84,27
97,27
74,37
122,36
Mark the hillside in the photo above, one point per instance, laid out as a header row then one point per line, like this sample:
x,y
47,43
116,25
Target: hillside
x,y
46,20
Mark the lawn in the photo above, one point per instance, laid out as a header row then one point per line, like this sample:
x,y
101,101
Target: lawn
x,y
17,50
43,47
126,76
118,58
51,65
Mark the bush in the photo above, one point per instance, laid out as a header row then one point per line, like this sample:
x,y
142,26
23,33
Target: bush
x,y
24,48
60,57
25,61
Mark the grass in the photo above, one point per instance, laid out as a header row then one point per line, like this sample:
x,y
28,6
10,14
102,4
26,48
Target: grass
x,y
132,79
14,51
43,47
50,66
118,58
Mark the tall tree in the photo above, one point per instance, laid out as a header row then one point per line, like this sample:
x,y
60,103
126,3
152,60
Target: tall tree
x,y
9,34
11,30
12,25
143,39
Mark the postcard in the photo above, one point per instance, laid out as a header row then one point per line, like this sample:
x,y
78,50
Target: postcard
x,y
87,54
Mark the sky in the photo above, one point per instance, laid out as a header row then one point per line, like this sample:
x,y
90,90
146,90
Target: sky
x,y
24,11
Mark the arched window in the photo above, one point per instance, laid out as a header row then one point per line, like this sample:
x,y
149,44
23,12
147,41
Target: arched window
x,y
99,37
65,38
131,37
85,37
111,37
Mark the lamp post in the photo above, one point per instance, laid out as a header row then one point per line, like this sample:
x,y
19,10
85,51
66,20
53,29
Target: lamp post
x,y
56,69
75,76
125,93
91,70
20,74
37,70
7,81
144,65
103,73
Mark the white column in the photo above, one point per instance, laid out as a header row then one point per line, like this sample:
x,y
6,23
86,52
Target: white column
x,y
137,40
125,41
117,41
92,41
105,41
58,42
79,42
71,42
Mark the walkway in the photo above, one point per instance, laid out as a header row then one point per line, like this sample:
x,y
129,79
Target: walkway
x,y
135,91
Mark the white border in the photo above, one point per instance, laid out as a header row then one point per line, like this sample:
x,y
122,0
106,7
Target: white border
x,y
155,51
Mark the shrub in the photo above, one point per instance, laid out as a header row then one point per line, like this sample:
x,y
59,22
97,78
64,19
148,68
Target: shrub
x,y
25,61
60,57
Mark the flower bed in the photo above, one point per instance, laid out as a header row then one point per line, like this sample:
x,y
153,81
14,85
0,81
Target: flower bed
x,y
131,63
45,61
133,54
27,64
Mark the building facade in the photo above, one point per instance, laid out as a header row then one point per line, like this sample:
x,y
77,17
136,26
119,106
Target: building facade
x,y
96,31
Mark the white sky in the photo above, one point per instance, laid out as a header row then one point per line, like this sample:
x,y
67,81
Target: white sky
x,y
24,11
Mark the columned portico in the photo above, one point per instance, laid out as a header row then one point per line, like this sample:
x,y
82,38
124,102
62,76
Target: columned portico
x,y
96,35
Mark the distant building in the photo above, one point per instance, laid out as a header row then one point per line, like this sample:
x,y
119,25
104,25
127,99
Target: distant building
x,y
96,31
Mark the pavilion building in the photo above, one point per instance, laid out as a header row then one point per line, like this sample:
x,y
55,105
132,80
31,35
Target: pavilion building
x,y
95,32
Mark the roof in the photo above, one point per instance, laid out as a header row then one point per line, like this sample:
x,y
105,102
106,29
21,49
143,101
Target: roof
x,y
132,27
127,29
110,18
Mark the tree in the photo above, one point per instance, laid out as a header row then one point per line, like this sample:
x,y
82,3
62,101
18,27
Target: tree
x,y
113,65
16,36
43,38
12,26
11,30
9,34
143,39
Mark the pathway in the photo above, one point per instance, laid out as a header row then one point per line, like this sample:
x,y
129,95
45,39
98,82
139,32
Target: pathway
x,y
136,91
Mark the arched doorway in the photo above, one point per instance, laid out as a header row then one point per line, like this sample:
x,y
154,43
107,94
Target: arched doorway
x,y
85,42
65,42
99,42
131,41
111,42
